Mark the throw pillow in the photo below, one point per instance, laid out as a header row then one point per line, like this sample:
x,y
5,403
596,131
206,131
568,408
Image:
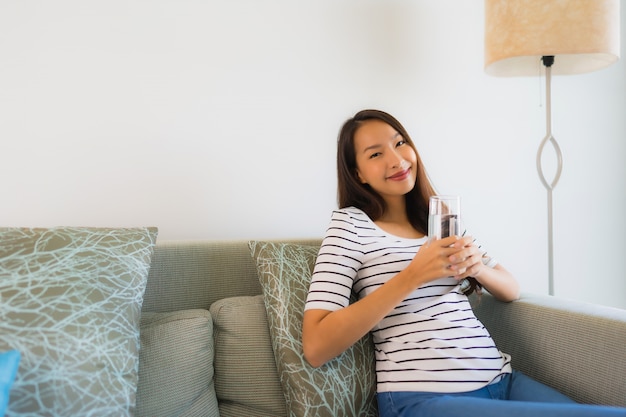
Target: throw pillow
x,y
243,357
9,362
346,385
176,365
71,301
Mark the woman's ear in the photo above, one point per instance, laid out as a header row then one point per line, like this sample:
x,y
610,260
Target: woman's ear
x,y
359,177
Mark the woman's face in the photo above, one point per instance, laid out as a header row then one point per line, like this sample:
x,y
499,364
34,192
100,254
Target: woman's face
x,y
384,159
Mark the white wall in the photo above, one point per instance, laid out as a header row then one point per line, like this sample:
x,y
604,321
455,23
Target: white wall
x,y
218,120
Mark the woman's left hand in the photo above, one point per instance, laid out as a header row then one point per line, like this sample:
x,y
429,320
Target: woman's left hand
x,y
467,262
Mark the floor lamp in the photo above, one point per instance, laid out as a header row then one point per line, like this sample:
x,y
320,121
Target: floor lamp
x,y
562,36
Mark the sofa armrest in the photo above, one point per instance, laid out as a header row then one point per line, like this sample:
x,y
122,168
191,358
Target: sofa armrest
x,y
575,347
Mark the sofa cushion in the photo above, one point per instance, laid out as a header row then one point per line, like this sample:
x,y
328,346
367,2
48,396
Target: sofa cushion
x,y
71,300
345,386
176,365
9,362
246,379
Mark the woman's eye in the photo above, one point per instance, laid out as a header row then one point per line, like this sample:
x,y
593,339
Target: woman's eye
x,y
374,155
400,143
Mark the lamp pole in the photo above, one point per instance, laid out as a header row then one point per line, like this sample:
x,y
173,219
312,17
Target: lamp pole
x,y
547,62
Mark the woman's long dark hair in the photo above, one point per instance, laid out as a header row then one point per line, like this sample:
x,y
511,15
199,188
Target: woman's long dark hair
x,y
352,192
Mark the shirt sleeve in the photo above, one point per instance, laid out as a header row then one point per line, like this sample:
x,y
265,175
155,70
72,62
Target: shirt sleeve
x,y
337,265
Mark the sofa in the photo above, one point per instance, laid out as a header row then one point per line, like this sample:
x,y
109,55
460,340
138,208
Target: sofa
x,y
219,326
575,347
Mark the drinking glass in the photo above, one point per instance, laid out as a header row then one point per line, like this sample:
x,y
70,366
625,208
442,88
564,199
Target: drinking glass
x,y
444,216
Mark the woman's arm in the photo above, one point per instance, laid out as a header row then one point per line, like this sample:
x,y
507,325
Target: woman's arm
x,y
499,282
327,334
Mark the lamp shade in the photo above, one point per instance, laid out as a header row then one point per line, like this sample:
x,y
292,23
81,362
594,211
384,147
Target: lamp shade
x,y
582,35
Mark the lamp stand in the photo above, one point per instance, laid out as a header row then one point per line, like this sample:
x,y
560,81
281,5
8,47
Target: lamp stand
x,y
547,62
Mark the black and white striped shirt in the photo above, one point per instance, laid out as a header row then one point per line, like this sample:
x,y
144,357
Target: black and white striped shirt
x,y
432,342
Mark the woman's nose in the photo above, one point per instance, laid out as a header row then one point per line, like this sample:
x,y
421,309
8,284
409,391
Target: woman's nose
x,y
395,159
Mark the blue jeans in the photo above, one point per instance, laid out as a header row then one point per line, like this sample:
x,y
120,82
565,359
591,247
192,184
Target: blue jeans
x,y
515,395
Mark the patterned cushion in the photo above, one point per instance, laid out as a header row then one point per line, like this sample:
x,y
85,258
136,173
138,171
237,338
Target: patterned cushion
x,y
345,386
71,300
176,365
246,385
9,362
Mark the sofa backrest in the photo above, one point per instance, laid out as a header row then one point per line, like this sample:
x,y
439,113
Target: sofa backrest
x,y
194,274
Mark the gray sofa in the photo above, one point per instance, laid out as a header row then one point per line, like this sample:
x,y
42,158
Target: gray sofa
x,y
578,348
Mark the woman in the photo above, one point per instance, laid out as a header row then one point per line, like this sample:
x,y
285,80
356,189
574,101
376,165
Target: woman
x,y
433,356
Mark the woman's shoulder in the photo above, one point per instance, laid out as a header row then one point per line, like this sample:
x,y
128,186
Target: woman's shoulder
x,y
354,224
352,215
351,212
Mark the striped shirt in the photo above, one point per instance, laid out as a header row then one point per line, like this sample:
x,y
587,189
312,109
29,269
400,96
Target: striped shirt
x,y
431,342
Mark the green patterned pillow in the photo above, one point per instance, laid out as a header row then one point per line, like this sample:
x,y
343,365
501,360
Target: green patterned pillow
x,y
345,386
70,304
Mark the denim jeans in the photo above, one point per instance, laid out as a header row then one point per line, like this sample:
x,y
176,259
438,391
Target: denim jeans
x,y
515,395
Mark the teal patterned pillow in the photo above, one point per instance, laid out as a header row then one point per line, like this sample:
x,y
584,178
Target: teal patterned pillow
x,y
345,386
70,304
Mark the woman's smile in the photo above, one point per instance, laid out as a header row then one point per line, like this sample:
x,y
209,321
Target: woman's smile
x,y
400,176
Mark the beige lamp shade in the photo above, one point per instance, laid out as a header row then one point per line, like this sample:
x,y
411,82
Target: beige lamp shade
x,y
582,35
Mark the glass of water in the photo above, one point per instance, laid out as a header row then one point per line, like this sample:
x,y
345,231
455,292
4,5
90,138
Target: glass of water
x,y
444,216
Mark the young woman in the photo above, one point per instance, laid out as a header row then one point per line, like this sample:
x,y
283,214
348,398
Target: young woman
x,y
433,356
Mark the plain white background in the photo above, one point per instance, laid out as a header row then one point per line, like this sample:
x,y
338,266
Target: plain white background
x,y
217,119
